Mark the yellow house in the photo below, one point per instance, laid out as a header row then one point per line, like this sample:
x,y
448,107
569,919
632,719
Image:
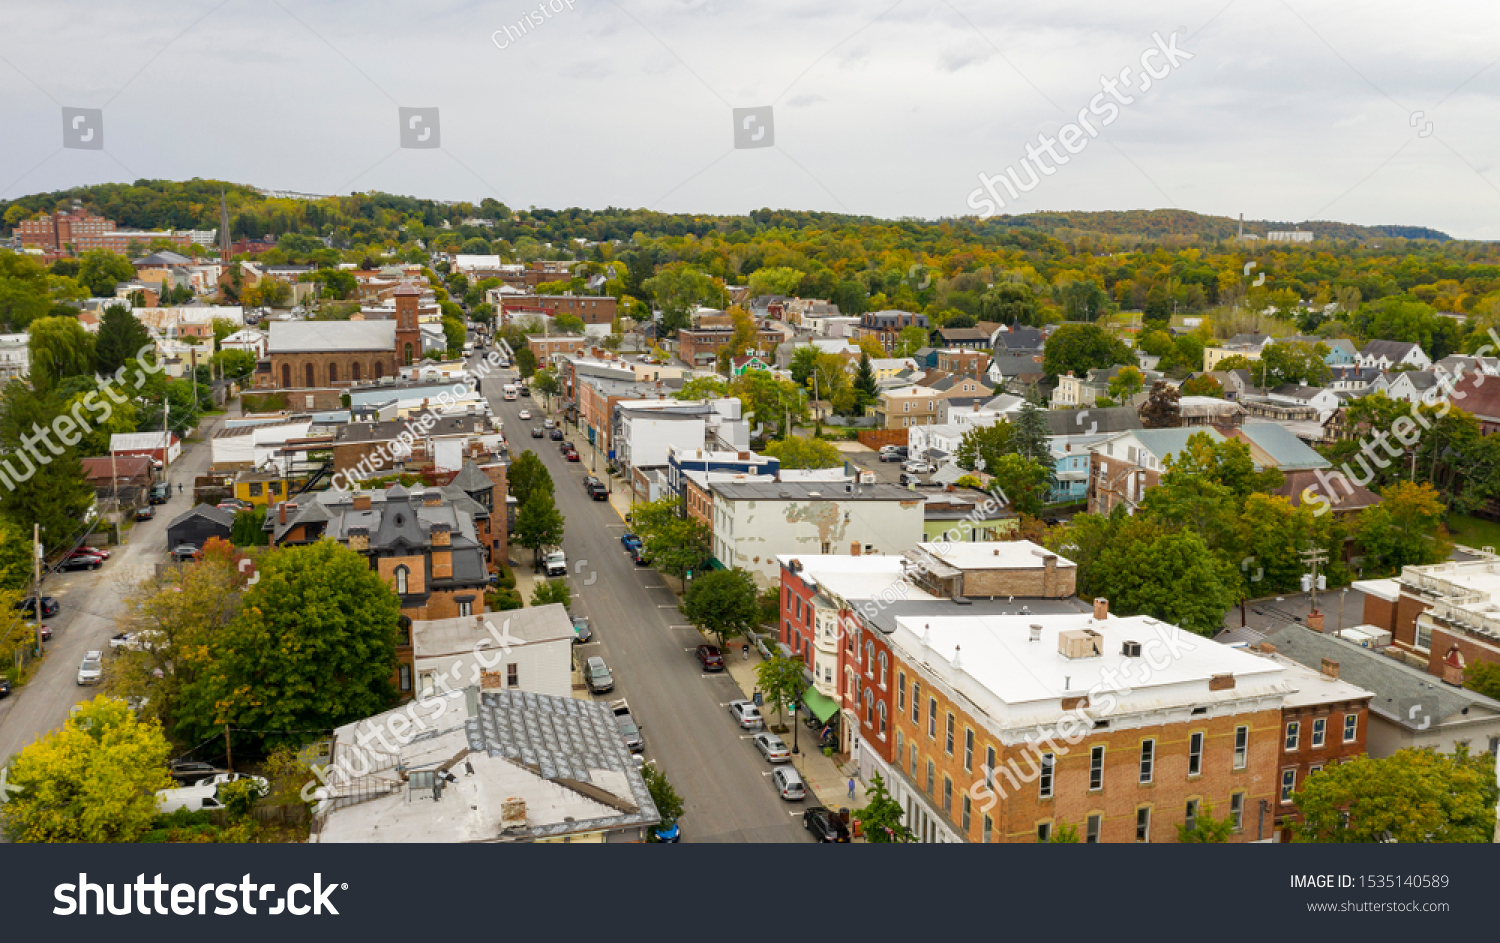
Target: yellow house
x,y
262,487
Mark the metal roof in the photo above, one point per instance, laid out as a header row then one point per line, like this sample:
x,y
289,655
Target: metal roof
x,y
329,336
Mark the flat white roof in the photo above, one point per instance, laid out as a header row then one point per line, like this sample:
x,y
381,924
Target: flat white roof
x,y
1314,687
862,577
993,555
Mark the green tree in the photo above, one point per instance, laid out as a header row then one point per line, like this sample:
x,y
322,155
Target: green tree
x,y
1481,676
547,383
1295,362
1202,385
47,482
1413,796
234,364
539,524
672,542
121,337
526,476
881,817
313,646
804,359
100,270
911,339
774,281
1206,829
1125,384
568,324
804,452
1010,303
668,803
248,529
679,288
867,391
1030,434
724,602
1404,529
525,361
985,444
60,348
24,294
547,592
780,677
707,387
1079,348
1024,483
95,780
1063,834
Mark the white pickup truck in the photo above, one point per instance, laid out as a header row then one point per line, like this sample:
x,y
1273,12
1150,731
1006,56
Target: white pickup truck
x,y
630,731
555,563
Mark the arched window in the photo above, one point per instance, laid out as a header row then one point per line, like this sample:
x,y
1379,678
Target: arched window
x,y
869,706
881,711
333,373
379,369
884,664
354,371
286,376
401,574
406,355
311,382
869,658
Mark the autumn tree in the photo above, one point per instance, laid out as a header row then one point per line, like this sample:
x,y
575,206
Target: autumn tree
x,y
1161,409
94,780
804,452
1404,529
1412,796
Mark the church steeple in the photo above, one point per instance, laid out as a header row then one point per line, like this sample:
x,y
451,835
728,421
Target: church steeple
x,y
408,331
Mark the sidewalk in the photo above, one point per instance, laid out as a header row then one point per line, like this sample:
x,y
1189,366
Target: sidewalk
x,y
828,780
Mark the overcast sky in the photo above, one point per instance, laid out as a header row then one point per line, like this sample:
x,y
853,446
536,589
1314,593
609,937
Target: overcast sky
x,y
1292,111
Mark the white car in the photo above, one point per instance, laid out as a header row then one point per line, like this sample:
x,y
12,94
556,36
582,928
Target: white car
x,y
918,468
221,779
747,714
525,414
548,424
772,747
92,668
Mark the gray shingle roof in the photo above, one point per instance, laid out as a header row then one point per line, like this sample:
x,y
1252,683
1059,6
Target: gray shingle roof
x,y
218,515
470,478
1091,421
329,336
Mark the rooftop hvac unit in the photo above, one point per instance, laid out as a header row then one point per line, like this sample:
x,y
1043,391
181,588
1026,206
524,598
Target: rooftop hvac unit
x,y
1131,649
1080,643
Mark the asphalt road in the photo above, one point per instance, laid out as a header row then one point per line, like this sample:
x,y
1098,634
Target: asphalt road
x,y
723,781
88,601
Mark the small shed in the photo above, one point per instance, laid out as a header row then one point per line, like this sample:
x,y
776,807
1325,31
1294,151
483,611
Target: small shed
x,y
198,525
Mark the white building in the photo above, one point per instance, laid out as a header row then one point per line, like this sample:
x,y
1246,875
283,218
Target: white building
x,y
1386,355
520,649
755,521
645,428
250,340
15,356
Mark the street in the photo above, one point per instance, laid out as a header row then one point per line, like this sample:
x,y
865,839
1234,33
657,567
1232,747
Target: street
x,y
723,781
88,602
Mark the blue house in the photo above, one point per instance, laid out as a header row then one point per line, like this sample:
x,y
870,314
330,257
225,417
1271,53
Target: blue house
x,y
704,460
1073,431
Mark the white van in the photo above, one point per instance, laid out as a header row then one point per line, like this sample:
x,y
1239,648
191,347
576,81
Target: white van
x,y
192,798
555,563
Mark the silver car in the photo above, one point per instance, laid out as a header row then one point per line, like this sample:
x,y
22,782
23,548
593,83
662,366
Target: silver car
x,y
788,783
772,747
92,668
747,714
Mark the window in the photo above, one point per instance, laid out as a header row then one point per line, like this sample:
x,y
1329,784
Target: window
x,y
286,376
465,609
1288,783
1096,768
333,373
404,624
913,762
916,699
355,371
967,807
869,707
1494,746
401,574
1143,824
900,746
1314,770
968,750
989,766
1045,781
1043,832
1148,760
1351,727
932,718
275,487
948,736
1190,819
1237,810
901,691
1320,726
931,776
1293,732
254,489
947,796
404,674
1091,831
1424,636
1241,746
869,659
988,831
308,372
513,675
799,607
884,666
880,710
1195,754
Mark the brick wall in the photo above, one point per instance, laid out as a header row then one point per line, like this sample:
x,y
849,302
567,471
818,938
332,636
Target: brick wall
x,y
1047,581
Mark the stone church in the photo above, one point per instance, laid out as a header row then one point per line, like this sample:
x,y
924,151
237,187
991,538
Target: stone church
x,y
321,354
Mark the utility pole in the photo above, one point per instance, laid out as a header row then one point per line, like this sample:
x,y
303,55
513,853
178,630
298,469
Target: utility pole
x,y
228,753
1312,557
36,585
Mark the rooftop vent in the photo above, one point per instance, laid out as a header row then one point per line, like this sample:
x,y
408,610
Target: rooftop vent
x,y
1036,633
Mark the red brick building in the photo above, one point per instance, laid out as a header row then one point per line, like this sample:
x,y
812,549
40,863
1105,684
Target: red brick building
x,y
76,231
590,309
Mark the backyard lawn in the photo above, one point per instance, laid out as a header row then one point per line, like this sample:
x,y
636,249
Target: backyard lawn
x,y
1473,531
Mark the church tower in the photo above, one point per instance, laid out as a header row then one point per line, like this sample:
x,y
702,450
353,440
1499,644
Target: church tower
x,y
408,331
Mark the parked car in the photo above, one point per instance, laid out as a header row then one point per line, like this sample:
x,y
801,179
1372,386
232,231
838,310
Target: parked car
x,y
526,392
145,514
596,675
122,640
160,493
92,668
629,540
549,424
747,714
710,657
191,771
630,731
537,432
222,778
918,468
571,454
581,630
599,491
556,434
772,747
588,483
99,552
4,687
49,606
182,553
639,556
80,561
555,563
191,798
668,835
891,457
524,414
825,824
788,783
234,504
909,478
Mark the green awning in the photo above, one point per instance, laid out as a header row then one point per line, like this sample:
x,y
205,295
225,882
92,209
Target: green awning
x,y
714,564
821,706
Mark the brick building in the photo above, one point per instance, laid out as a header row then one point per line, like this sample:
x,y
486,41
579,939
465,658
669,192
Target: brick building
x,y
590,309
701,345
547,345
886,326
76,231
305,354
1432,610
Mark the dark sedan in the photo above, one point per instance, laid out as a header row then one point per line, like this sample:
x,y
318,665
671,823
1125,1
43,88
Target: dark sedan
x,y
555,435
825,825
49,606
538,432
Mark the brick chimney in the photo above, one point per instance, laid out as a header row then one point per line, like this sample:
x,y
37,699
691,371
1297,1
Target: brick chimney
x,y
1101,608
432,498
1315,621
359,539
281,512
361,502
854,548
1330,668
442,535
1453,667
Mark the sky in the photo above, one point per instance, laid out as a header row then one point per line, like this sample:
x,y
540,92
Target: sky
x,y
1367,113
